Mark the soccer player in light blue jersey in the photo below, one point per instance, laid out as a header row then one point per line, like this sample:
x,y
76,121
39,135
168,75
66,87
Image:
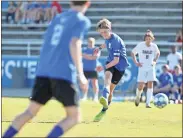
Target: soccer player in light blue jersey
x,y
115,65
90,62
60,61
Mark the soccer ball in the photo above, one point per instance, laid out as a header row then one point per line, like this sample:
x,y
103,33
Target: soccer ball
x,y
160,100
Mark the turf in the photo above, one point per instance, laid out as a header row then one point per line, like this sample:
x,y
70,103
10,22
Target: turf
x,y
122,120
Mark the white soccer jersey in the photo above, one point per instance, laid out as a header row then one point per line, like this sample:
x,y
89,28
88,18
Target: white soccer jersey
x,y
146,54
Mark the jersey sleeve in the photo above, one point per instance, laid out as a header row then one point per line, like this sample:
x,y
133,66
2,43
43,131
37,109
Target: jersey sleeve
x,y
135,50
119,48
179,56
156,49
80,29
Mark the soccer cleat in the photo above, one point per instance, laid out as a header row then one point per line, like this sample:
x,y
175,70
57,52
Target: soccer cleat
x,y
147,106
99,116
137,101
104,102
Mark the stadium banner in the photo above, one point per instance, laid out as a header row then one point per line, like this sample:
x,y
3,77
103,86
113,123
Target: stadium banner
x,y
29,64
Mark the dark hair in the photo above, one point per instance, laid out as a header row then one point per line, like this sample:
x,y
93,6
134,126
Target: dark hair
x,y
79,3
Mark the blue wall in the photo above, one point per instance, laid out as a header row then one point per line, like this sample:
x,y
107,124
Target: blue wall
x,y
4,4
29,63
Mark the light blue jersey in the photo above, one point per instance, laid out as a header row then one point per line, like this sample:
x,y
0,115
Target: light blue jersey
x,y
55,58
116,48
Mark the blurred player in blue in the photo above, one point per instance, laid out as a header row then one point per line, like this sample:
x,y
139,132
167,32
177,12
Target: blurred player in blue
x,y
60,62
90,63
115,66
177,86
165,82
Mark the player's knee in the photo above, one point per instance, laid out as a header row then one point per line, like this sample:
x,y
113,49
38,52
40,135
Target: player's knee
x,y
108,75
76,117
140,88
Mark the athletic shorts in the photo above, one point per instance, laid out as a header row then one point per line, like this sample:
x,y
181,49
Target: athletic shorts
x,y
91,74
116,74
63,91
146,75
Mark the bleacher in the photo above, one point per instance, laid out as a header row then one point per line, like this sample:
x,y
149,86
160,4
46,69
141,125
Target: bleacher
x,y
130,21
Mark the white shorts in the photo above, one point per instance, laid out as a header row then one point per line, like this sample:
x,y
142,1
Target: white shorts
x,y
145,75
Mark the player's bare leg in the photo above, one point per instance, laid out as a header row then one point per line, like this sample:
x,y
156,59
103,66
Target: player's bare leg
x,y
73,117
85,93
112,87
23,118
95,89
149,93
139,92
107,82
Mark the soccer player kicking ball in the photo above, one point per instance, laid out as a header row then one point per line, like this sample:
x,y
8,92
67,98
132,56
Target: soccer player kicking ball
x,y
148,54
115,65
56,72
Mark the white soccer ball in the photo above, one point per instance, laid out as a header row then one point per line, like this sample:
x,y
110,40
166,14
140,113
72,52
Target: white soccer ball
x,y
160,100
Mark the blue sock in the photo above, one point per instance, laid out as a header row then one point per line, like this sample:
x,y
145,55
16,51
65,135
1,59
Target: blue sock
x,y
182,96
176,94
109,102
56,132
10,132
105,93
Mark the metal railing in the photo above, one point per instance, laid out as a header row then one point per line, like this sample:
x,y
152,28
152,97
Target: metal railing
x,y
28,48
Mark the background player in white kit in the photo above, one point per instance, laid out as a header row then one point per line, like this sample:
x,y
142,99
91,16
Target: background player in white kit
x,y
148,54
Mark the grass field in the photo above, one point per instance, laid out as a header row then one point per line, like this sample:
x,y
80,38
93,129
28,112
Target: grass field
x,y
122,120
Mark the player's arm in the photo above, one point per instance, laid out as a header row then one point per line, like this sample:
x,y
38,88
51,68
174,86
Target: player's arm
x,y
133,55
86,56
112,63
92,57
98,49
180,60
76,53
157,54
163,89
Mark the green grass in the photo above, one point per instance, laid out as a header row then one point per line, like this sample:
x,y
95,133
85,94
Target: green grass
x,y
121,120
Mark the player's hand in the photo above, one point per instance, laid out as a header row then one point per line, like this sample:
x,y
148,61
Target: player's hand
x,y
153,63
99,68
103,46
138,64
83,82
96,51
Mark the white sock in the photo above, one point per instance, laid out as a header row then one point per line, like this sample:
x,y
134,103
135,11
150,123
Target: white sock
x,y
149,96
96,96
85,95
138,93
